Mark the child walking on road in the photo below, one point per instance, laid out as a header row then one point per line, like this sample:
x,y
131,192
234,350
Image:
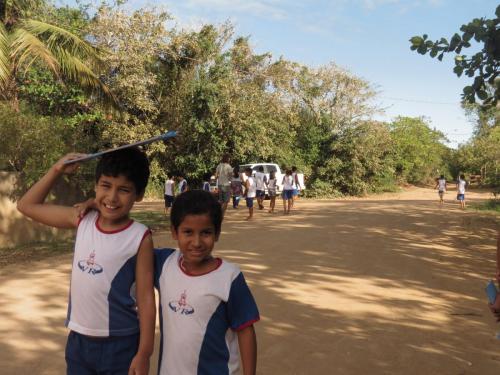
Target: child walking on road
x,y
461,183
236,187
208,311
112,266
271,189
441,186
169,192
287,191
250,192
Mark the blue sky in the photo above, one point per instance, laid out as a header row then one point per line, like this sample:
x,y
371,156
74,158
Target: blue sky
x,y
367,37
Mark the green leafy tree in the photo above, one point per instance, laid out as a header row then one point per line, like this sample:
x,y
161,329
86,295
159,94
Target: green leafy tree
x,y
418,151
484,65
481,154
25,40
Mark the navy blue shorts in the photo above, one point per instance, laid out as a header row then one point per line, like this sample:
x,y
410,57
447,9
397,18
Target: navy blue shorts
x,y
169,199
108,355
461,197
287,194
249,202
260,194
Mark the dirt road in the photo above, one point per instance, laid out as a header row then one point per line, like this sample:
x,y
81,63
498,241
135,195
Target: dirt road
x,y
389,284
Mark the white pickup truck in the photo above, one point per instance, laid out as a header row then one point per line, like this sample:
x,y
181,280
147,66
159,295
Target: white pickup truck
x,y
271,167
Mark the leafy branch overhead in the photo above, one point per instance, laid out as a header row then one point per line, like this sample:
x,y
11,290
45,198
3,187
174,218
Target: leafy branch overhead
x,y
483,66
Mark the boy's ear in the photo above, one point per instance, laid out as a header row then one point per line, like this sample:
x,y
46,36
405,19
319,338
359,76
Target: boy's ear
x,y
174,232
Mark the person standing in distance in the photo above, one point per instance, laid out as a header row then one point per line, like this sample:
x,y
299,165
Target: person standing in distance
x,y
223,175
441,186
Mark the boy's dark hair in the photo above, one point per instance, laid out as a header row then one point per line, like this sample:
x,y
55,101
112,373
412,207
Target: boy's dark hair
x,y
248,169
462,177
261,168
207,176
196,202
294,169
442,176
236,171
130,162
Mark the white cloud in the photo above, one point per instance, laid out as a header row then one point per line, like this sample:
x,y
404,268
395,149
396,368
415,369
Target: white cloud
x,y
403,4
263,8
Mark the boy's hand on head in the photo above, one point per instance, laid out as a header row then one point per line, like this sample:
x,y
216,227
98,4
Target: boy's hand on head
x,y
139,365
84,207
60,167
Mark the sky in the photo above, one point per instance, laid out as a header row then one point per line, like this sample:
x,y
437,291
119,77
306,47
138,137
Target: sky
x,y
369,38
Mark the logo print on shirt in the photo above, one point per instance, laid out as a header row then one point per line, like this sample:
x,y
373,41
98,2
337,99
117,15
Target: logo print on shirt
x,y
181,306
89,265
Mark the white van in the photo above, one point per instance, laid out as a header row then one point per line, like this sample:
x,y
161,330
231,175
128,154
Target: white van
x,y
271,167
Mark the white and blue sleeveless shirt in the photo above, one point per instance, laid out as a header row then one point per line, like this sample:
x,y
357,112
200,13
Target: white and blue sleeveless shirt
x,y
200,316
102,293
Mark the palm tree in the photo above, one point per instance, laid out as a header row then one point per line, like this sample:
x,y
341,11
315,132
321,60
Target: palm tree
x,y
24,40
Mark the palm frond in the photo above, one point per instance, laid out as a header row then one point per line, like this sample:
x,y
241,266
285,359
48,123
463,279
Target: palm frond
x,y
26,46
5,66
77,71
57,37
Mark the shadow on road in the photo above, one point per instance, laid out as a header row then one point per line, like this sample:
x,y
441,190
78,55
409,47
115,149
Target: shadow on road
x,y
344,287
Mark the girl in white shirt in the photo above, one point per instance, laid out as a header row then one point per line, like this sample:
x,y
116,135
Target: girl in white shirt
x,y
461,191
287,191
250,191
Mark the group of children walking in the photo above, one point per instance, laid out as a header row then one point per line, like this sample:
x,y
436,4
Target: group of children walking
x,y
461,184
207,311
252,186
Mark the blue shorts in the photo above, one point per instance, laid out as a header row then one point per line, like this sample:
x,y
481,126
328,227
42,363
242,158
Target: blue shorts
x,y
249,202
461,197
169,199
108,355
295,192
287,194
260,193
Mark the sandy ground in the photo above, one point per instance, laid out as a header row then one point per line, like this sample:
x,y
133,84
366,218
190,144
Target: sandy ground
x,y
389,284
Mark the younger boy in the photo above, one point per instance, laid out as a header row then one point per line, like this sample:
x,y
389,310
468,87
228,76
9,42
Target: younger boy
x,y
169,192
250,191
207,309
112,264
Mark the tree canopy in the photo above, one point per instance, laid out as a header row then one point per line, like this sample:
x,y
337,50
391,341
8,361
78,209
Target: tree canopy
x,y
483,66
26,40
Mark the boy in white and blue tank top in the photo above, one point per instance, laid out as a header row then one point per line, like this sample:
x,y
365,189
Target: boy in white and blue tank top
x,y
207,311
112,273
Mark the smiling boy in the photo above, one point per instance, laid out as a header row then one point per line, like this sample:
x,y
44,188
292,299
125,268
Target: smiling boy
x,y
112,274
207,309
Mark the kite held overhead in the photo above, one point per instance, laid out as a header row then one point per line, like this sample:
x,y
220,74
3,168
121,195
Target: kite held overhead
x,y
161,137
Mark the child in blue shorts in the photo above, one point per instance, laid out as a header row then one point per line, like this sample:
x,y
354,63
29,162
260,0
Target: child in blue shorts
x,y
111,312
461,183
207,309
287,191
250,191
